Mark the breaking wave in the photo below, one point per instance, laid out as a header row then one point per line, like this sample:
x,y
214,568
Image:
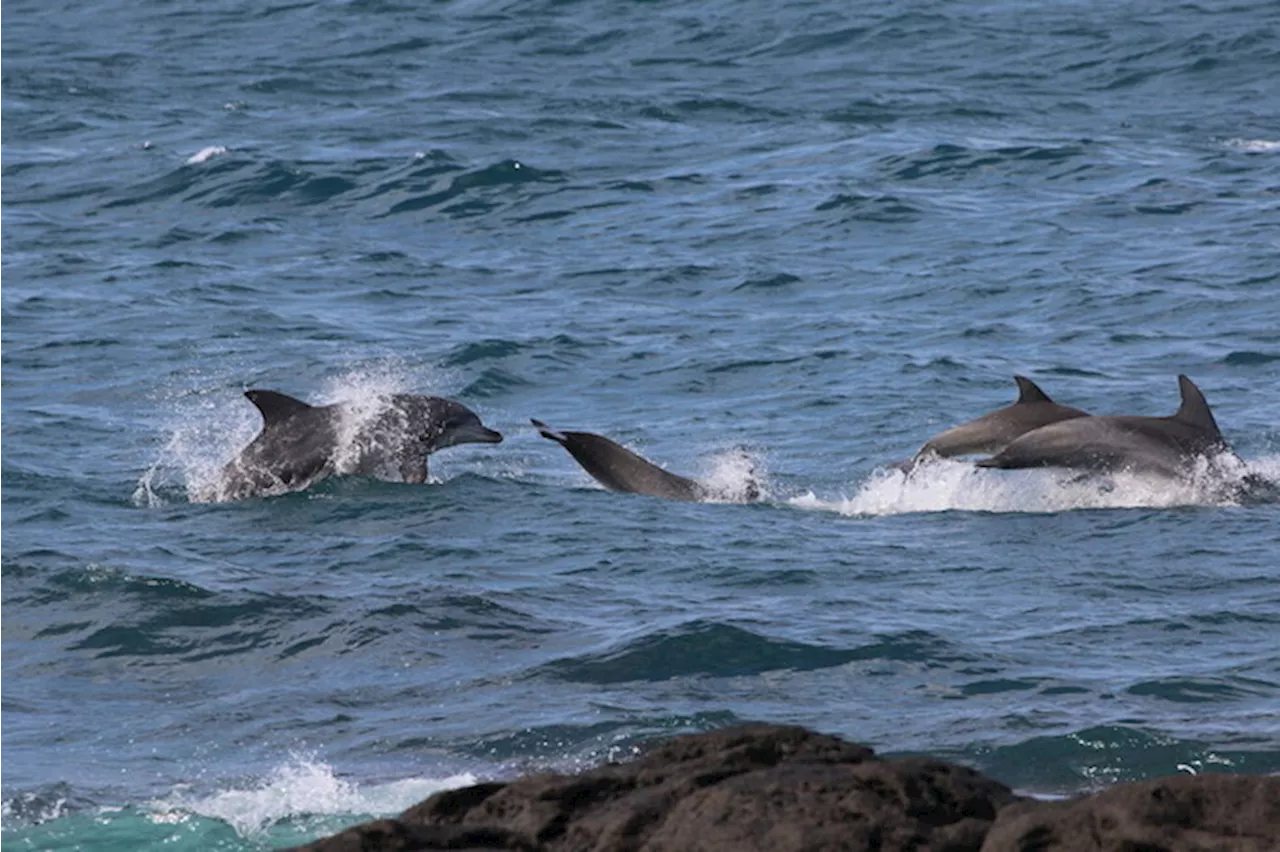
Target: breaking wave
x,y
301,788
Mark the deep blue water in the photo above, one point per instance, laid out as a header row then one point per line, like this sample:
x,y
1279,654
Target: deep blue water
x,y
813,235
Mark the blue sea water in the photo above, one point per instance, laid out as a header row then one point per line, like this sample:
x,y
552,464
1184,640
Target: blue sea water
x,y
797,238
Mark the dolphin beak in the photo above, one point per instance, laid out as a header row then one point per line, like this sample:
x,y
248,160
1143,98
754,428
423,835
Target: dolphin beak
x,y
474,433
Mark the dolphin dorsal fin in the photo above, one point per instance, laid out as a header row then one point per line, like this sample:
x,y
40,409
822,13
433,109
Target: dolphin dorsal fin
x,y
276,407
1195,410
1029,391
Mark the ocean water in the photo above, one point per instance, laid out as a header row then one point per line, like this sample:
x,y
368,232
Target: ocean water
x,y
790,240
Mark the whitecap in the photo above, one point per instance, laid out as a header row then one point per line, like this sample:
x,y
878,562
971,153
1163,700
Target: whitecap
x,y
1255,146
205,154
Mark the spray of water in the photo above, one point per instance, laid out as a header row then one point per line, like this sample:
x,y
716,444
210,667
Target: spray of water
x,y
735,476
947,485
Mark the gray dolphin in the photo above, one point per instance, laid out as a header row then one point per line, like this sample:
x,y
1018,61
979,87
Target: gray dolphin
x,y
301,444
1161,445
618,469
992,432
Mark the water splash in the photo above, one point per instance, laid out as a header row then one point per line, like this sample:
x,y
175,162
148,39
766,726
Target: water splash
x,y
300,788
204,434
735,476
39,806
947,485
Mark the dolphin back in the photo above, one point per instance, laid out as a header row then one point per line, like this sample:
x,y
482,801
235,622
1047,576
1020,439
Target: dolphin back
x,y
992,432
618,469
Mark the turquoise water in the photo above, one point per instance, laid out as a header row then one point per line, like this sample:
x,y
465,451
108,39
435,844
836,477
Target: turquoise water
x,y
790,238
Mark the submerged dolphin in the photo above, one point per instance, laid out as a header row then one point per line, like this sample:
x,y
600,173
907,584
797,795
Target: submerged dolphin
x,y
618,469
1161,445
992,432
300,444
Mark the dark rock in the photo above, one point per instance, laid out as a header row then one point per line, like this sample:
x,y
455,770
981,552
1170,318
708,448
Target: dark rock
x,y
393,835
785,789
1191,813
753,787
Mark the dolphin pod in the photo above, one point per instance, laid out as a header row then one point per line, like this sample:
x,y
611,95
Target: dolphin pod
x,y
1166,446
301,444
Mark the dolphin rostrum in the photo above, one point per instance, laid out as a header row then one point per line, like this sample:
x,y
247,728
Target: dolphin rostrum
x,y
992,432
618,469
1161,445
301,444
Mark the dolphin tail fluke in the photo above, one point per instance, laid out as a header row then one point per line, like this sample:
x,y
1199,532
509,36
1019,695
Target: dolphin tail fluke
x,y
1029,391
547,432
1195,409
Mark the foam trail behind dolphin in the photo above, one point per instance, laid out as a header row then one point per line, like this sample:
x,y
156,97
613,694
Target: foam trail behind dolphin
x,y
947,485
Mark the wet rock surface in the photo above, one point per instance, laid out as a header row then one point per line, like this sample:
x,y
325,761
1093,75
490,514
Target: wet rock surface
x,y
787,789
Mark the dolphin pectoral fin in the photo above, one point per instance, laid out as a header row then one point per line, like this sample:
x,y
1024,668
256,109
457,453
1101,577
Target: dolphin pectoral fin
x,y
547,432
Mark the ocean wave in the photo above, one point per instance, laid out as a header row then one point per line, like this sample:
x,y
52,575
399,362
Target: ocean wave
x,y
299,791
479,191
1095,757
714,649
951,161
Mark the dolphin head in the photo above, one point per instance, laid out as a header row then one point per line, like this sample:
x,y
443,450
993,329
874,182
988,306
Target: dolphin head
x,y
409,428
430,423
452,423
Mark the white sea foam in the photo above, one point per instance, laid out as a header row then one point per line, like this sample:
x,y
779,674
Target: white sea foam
x,y
1255,146
300,788
948,485
205,154
35,808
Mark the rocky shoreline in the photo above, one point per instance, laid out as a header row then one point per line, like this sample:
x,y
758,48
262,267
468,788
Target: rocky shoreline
x,y
787,789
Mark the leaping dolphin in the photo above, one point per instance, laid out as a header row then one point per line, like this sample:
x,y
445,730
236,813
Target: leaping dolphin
x,y
992,432
618,469
301,444
1160,445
